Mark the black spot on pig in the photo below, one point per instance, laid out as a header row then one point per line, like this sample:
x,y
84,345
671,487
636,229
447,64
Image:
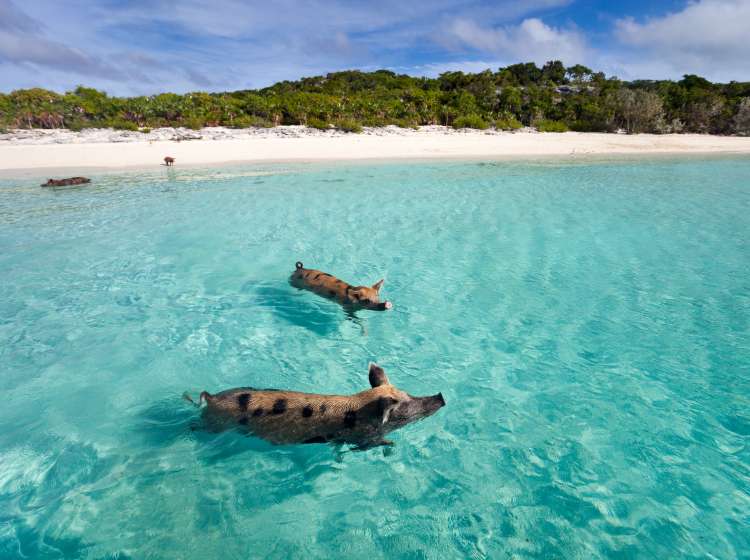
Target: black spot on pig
x,y
258,412
350,419
307,411
316,439
279,407
243,399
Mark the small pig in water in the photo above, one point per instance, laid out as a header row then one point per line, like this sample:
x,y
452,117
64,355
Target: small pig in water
x,y
351,297
286,417
66,182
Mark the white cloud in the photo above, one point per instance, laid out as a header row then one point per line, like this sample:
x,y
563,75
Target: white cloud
x,y
708,37
226,44
143,46
436,68
707,25
531,40
29,48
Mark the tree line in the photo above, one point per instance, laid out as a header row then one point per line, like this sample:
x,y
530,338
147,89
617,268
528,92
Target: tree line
x,y
550,98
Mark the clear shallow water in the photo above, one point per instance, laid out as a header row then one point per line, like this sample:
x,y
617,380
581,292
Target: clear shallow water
x,y
588,324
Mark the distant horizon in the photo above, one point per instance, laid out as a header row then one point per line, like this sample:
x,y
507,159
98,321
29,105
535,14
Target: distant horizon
x,y
134,47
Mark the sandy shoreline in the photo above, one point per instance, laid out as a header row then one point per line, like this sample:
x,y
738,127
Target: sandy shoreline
x,y
103,149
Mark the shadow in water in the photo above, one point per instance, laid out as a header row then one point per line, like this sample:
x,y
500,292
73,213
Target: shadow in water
x,y
296,307
165,421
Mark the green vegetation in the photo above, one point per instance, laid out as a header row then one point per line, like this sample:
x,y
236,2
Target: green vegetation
x,y
470,121
553,98
312,122
508,123
349,125
551,126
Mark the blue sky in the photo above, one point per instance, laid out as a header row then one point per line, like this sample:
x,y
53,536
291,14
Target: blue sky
x,y
146,46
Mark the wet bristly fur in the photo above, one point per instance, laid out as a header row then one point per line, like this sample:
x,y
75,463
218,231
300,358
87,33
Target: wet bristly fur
x,y
328,286
286,417
66,182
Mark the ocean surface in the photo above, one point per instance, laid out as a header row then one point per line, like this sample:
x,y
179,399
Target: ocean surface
x,y
588,323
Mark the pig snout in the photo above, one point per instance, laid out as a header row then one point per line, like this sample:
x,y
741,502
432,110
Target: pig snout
x,y
432,404
384,306
436,401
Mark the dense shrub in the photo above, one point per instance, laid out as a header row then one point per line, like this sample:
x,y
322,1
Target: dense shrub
x,y
312,122
122,124
406,123
76,125
470,121
250,121
742,118
551,126
639,110
374,121
349,125
194,123
508,123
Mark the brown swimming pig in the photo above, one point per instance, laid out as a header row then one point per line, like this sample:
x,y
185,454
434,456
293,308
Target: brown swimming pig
x,y
66,182
286,417
351,297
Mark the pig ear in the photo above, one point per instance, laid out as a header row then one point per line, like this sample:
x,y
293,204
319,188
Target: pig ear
x,y
386,405
377,376
377,285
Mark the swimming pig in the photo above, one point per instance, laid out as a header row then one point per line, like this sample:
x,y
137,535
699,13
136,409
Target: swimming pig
x,y
285,417
351,297
66,182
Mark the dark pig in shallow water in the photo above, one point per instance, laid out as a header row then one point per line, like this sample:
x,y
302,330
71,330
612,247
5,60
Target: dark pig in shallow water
x,y
351,297
286,417
66,182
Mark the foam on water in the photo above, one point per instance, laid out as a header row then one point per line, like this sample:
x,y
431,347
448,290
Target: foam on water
x,y
588,324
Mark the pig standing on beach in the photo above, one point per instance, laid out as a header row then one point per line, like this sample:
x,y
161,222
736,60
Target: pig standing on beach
x,y
351,297
286,417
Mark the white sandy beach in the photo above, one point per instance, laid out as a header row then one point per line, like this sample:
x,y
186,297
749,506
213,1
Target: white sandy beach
x,y
67,151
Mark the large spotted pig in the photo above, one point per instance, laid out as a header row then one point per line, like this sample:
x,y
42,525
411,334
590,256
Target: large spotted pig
x,y
287,417
351,297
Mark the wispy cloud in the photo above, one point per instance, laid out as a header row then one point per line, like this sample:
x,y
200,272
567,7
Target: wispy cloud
x,y
14,20
531,40
708,36
144,46
22,41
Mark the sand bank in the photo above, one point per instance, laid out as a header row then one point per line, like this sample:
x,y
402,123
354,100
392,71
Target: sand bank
x,y
109,149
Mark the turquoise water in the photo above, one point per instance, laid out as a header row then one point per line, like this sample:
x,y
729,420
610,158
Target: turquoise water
x,y
587,323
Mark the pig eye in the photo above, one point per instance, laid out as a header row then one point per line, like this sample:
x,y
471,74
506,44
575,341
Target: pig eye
x,y
366,301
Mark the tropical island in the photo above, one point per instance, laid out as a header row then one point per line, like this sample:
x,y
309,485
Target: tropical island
x,y
373,115
553,98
